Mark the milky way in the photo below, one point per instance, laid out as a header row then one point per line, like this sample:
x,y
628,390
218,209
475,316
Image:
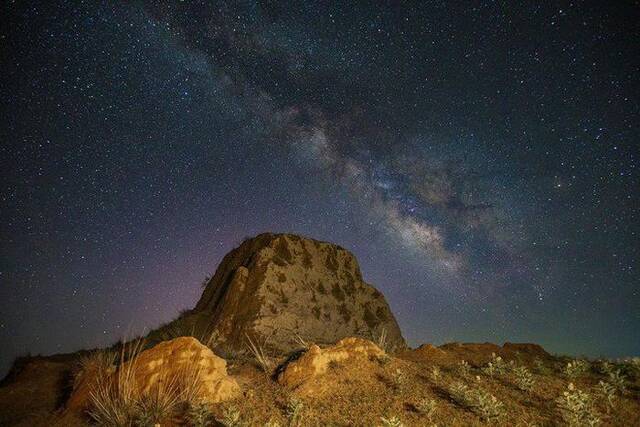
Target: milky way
x,y
480,161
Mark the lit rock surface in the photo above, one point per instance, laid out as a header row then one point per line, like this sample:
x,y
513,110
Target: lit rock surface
x,y
183,358
170,364
316,361
275,286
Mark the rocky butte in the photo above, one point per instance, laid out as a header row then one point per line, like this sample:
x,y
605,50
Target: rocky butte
x,y
275,288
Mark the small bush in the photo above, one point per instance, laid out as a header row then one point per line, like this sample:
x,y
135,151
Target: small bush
x,y
497,366
231,418
482,403
617,380
398,378
427,407
608,392
391,422
523,379
576,408
294,410
435,374
381,339
540,367
576,368
260,356
464,369
199,414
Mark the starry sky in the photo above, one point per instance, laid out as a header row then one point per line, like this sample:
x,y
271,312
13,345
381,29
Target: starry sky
x,y
479,158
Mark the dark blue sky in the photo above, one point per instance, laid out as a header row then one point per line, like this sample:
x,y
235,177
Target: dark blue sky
x,y
480,160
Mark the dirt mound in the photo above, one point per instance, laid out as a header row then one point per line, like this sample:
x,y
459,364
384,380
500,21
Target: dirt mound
x,y
275,286
316,361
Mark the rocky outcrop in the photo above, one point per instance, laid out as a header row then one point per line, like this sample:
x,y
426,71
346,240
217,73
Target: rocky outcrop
x,y
183,359
315,361
181,365
276,286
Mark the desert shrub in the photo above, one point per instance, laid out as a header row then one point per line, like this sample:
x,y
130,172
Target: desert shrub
x,y
294,410
464,369
435,374
605,367
632,366
302,343
487,405
381,339
608,393
497,365
482,403
523,378
97,364
199,414
427,407
576,368
398,378
114,401
391,422
383,359
259,355
576,407
617,380
540,367
231,418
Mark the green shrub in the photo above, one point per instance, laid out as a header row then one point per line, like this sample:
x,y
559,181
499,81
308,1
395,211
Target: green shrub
x,y
391,422
576,408
523,379
576,368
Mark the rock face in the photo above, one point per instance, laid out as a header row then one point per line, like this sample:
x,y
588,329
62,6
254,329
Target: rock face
x,y
176,364
275,286
316,361
184,358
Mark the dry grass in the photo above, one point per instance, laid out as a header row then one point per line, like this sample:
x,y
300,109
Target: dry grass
x,y
260,356
116,399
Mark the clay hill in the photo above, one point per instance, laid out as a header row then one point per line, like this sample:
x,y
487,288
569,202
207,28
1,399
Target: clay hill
x,y
287,333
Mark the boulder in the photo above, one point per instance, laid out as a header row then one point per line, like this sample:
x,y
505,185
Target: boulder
x,y
174,364
276,286
315,361
184,358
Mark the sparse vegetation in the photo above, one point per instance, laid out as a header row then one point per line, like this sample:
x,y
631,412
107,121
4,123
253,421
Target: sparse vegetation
x,y
523,379
464,369
427,407
259,355
199,414
540,367
608,392
482,403
231,418
435,374
576,368
294,410
617,380
398,378
96,364
576,408
393,421
381,340
497,366
114,401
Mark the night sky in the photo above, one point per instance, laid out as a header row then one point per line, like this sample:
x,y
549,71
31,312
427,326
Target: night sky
x,y
480,160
